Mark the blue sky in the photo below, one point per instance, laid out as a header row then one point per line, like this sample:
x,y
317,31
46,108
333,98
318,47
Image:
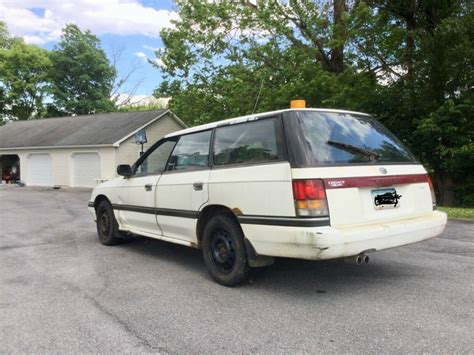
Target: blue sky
x,y
130,25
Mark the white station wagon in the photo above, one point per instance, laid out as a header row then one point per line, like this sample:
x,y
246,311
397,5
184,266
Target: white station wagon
x,y
300,183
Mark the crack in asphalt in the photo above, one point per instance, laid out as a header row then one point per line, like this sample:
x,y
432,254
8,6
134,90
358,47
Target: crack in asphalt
x,y
18,246
452,252
125,326
97,305
450,238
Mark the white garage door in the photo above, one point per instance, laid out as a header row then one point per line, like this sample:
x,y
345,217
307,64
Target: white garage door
x,y
41,170
86,169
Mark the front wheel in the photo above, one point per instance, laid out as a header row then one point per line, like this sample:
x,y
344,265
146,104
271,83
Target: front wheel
x,y
224,251
107,226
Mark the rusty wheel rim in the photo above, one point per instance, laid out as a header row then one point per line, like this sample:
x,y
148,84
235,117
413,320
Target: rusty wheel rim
x,y
104,224
222,250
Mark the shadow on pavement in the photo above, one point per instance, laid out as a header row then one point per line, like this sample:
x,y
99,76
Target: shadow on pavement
x,y
286,275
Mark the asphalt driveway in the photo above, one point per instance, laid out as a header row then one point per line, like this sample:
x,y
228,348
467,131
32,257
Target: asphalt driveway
x,y
60,290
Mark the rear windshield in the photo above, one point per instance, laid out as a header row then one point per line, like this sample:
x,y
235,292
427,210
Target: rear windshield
x,y
328,138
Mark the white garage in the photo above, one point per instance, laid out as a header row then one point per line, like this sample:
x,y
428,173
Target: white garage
x,y
40,170
78,151
86,169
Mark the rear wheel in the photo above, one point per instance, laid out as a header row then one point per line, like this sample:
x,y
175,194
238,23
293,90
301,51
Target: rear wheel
x,y
107,226
224,251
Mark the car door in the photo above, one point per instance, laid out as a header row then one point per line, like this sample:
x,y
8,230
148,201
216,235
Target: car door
x,y
183,187
136,195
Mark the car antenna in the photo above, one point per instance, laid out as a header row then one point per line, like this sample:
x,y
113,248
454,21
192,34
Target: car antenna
x,y
258,97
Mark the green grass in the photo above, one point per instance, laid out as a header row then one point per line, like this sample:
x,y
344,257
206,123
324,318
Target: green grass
x,y
458,213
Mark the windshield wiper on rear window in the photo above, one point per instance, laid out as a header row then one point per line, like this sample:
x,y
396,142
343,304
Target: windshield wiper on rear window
x,y
368,153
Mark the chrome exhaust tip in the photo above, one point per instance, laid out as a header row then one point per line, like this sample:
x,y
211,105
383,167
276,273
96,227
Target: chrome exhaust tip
x,y
356,259
365,259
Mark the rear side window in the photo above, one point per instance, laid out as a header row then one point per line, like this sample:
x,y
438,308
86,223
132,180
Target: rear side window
x,y
248,142
191,152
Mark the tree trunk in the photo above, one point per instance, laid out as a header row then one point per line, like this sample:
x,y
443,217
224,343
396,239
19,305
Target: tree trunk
x,y
410,49
444,186
337,53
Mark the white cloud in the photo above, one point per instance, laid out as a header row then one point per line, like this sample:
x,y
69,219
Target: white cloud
x,y
156,61
141,55
156,51
153,49
122,17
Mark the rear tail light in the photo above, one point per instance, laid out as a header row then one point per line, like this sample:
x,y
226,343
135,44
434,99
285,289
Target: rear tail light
x,y
433,195
310,198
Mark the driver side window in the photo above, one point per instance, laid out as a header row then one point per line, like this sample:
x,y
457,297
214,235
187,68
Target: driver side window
x,y
155,162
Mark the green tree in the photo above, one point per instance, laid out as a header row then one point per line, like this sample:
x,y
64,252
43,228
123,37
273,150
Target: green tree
x,y
4,36
3,117
82,77
433,47
6,39
229,28
24,71
446,139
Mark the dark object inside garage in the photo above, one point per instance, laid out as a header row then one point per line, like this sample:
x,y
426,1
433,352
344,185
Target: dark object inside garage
x,y
10,168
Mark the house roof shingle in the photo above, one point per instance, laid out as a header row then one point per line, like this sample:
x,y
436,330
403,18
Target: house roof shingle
x,y
95,129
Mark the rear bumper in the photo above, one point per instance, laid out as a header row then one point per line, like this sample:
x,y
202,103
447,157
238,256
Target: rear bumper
x,y
320,243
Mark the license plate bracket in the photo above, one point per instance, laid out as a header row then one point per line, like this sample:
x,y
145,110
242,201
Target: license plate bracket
x,y
384,199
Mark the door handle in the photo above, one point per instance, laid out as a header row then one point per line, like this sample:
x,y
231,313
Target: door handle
x,y
148,187
197,186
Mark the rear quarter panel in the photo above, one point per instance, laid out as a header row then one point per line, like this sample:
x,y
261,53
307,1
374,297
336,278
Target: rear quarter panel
x,y
253,190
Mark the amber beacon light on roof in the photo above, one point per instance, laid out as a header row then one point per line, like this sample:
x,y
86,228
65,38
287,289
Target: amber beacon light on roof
x,y
298,104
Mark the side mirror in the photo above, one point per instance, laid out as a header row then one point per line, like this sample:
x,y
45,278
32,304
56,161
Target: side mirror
x,y
124,170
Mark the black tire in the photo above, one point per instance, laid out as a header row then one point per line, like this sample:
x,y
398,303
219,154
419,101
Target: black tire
x,y
224,251
107,226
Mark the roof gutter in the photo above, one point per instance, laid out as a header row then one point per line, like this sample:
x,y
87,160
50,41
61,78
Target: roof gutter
x,y
58,147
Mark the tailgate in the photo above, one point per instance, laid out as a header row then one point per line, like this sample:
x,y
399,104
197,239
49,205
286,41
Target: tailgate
x,y
371,194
